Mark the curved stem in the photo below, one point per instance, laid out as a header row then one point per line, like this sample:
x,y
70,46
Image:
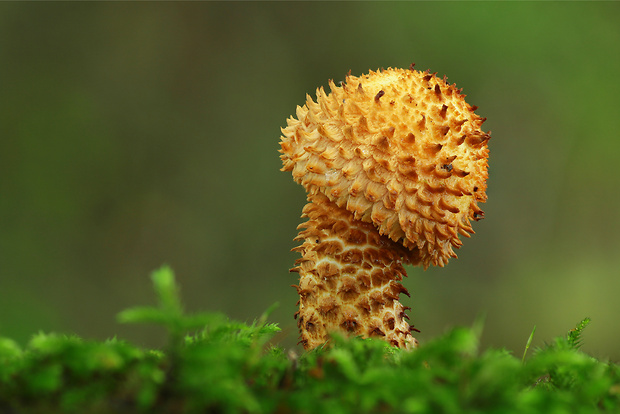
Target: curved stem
x,y
349,278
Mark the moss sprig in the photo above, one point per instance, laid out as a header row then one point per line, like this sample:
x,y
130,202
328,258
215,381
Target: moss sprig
x,y
215,365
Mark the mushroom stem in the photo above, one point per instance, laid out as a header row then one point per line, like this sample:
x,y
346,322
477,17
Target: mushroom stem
x,y
349,278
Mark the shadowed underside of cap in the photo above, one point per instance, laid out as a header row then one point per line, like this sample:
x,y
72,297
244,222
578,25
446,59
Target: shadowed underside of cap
x,y
400,149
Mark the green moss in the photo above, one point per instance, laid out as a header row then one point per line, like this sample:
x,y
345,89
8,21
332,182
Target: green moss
x,y
215,365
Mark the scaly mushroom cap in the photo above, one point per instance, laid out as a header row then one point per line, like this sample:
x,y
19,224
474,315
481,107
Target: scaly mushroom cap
x,y
398,148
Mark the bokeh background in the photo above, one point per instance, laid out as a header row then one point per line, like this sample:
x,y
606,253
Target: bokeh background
x,y
139,134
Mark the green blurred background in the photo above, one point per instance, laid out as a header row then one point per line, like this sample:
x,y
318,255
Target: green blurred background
x,y
138,134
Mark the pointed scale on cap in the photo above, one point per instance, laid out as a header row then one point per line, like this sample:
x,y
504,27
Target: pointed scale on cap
x,y
398,149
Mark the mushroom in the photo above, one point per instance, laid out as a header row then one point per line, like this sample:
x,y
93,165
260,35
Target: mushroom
x,y
394,164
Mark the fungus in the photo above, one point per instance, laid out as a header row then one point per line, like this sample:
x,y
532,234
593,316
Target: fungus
x,y
394,164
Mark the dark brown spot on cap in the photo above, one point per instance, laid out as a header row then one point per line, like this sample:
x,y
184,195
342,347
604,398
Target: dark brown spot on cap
x,y
409,139
437,91
443,111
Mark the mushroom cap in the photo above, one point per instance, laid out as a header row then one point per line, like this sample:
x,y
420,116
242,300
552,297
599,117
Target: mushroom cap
x,y
398,148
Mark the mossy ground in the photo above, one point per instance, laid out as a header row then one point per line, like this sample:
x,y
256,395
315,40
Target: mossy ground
x,y
214,365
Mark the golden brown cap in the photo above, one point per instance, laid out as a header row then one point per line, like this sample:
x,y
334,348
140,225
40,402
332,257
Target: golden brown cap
x,y
398,148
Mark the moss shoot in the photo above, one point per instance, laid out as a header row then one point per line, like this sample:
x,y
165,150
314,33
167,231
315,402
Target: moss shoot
x,y
214,365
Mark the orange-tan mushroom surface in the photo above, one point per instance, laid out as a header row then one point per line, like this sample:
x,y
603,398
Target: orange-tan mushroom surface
x,y
395,164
